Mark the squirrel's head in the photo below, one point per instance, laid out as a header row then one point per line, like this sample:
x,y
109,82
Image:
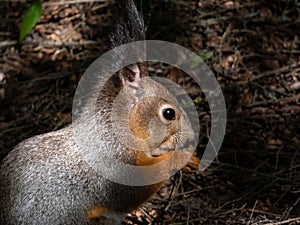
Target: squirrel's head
x,y
147,115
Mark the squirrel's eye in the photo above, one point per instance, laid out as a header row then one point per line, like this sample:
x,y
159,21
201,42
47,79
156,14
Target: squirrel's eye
x,y
169,114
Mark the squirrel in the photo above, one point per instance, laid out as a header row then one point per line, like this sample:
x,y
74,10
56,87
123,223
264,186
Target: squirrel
x,y
44,180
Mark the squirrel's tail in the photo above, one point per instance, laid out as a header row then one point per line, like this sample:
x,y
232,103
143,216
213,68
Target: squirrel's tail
x,y
129,26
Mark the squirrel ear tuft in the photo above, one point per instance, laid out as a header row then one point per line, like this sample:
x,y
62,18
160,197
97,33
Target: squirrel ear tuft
x,y
131,75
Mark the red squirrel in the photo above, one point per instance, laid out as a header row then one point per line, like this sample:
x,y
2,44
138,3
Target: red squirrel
x,y
44,181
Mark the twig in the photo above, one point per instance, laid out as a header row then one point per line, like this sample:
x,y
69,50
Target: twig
x,y
297,220
224,36
286,100
62,2
239,199
269,73
252,212
292,207
159,218
274,176
52,43
215,13
74,2
262,212
7,43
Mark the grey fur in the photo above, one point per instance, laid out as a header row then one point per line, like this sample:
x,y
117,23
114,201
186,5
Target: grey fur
x,y
45,179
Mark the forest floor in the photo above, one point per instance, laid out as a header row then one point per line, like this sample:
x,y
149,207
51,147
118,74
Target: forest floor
x,y
252,47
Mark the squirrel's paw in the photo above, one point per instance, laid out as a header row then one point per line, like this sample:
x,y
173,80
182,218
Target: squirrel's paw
x,y
192,165
104,216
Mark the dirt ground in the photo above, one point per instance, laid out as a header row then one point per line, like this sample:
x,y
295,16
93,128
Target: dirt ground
x,y
252,47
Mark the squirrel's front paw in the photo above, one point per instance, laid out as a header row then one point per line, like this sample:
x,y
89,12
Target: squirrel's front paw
x,y
192,165
102,215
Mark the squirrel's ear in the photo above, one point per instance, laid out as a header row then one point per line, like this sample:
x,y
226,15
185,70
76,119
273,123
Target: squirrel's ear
x,y
131,75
